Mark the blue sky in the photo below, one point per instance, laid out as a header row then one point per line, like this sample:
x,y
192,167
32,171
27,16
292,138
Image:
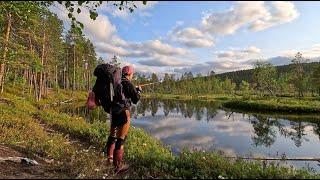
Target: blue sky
x,y
173,37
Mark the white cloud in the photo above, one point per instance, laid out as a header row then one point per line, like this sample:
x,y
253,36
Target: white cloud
x,y
160,60
217,66
283,12
191,37
119,51
104,36
250,52
156,53
147,70
99,30
257,15
145,49
107,48
158,47
313,52
229,21
229,65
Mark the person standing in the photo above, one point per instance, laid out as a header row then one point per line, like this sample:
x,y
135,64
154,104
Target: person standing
x,y
120,122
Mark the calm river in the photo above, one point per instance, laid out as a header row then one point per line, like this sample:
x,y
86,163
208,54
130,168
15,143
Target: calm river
x,y
199,125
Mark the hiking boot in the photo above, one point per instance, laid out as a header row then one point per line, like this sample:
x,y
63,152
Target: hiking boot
x,y
110,160
120,166
108,151
122,169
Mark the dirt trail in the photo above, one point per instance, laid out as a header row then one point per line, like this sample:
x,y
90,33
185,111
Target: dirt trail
x,y
10,170
51,168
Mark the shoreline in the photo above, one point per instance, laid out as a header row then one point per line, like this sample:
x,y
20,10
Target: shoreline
x,y
272,104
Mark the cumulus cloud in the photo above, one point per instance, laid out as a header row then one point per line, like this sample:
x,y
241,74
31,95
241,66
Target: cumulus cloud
x,y
158,47
249,52
217,66
142,69
160,60
229,65
104,36
119,51
313,52
156,53
283,12
191,37
229,21
258,15
99,30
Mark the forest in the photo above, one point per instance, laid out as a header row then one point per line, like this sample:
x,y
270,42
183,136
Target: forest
x,y
298,79
39,54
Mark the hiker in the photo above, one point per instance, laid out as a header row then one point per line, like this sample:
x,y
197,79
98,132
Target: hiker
x,y
120,123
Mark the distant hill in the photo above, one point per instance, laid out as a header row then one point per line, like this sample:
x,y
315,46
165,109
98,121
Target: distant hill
x,y
238,76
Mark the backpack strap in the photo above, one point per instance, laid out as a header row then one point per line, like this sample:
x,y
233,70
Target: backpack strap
x,y
111,92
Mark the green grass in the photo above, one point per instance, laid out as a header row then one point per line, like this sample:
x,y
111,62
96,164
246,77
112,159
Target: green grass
x,y
280,105
148,157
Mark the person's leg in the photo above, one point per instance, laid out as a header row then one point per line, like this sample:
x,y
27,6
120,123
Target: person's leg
x,y
119,147
123,131
109,148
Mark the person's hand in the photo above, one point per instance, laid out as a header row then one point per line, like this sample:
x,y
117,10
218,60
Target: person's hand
x,y
139,89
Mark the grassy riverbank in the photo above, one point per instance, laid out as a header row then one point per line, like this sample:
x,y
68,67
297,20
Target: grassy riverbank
x,y
265,104
52,135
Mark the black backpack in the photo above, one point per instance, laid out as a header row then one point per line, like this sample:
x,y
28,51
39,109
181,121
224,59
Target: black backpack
x,y
108,88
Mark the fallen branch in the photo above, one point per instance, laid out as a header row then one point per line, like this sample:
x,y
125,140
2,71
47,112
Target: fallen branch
x,y
63,102
21,160
57,103
277,159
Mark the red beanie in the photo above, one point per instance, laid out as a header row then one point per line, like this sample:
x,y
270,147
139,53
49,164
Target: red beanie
x,y
126,70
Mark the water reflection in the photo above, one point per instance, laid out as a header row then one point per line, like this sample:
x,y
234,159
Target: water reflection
x,y
186,108
200,125
266,128
265,132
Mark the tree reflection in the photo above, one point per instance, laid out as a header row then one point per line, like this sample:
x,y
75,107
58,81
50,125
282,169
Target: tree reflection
x,y
154,106
264,133
199,113
166,107
212,110
142,106
298,134
189,109
134,112
316,129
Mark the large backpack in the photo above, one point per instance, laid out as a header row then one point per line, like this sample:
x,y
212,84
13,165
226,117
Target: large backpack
x,y
108,88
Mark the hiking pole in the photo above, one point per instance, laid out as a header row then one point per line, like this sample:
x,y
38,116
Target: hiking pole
x,y
142,85
275,159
